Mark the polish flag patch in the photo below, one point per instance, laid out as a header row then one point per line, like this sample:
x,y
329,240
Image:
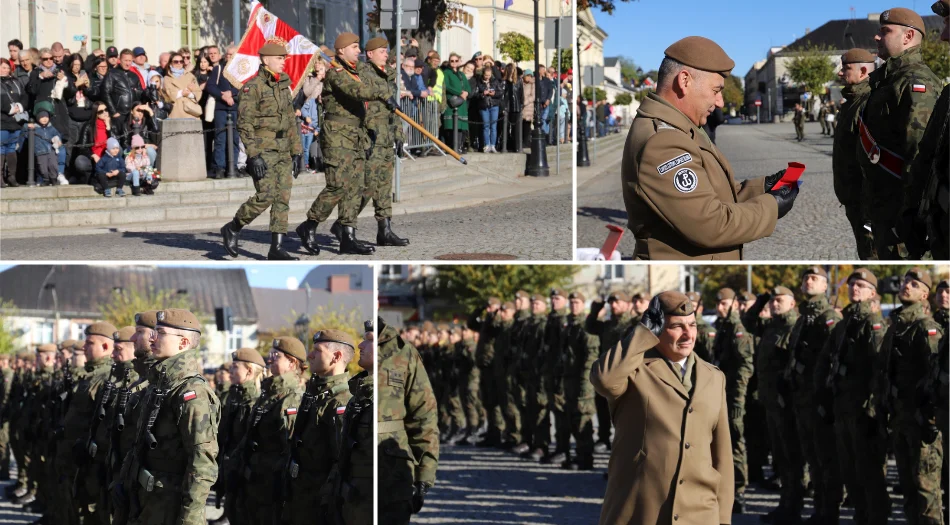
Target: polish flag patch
x,y
932,332
340,410
876,326
712,334
920,88
292,411
189,395
829,322
739,334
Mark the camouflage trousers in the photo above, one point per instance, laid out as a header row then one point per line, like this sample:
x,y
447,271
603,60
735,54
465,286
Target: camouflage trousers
x,y
918,470
756,438
358,509
557,403
786,451
273,191
22,457
862,458
510,396
64,507
862,236
817,439
739,456
5,450
490,400
799,130
450,408
580,415
471,402
378,184
537,422
345,172
603,419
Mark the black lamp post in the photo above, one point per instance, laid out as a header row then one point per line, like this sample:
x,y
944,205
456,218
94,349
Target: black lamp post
x,y
302,326
583,159
536,164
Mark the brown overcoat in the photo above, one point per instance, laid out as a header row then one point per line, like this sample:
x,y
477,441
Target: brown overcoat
x,y
672,459
682,199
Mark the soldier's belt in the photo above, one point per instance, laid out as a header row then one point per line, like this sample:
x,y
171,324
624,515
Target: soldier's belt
x,y
388,427
342,119
888,160
263,133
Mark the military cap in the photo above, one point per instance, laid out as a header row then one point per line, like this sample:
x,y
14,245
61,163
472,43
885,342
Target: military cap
x,y
521,294
865,275
247,355
637,296
921,275
941,8
291,346
508,305
24,355
376,43
726,293
272,49
902,16
335,336
557,291
344,40
123,335
178,318
101,328
577,295
747,296
693,296
943,283
539,297
224,367
673,302
494,301
815,270
46,348
701,53
443,326
428,326
781,290
68,343
148,318
857,56
618,296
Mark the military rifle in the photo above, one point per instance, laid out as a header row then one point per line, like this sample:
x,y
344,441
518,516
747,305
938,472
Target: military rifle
x,y
134,470
313,395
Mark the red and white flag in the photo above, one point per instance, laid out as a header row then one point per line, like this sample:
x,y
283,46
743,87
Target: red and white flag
x,y
264,27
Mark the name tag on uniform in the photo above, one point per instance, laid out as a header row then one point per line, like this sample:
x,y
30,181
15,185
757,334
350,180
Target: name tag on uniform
x,y
396,378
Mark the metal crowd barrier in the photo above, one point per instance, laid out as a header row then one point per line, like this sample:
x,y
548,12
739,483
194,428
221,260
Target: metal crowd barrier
x,y
426,113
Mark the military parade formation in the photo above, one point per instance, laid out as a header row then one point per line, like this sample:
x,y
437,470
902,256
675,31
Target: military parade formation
x,y
123,428
828,392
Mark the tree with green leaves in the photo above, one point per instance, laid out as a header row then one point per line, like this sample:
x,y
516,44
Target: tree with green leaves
x,y
606,6
323,317
623,99
516,47
8,335
811,67
472,285
434,16
936,54
123,305
732,94
628,69
589,94
567,59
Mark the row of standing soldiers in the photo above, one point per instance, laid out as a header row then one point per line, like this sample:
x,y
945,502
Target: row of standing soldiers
x,y
136,435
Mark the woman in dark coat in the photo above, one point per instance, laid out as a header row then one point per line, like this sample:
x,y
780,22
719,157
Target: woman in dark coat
x,y
78,104
514,97
456,85
12,99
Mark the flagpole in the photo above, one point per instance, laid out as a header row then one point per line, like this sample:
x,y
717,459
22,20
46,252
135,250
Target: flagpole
x,y
398,26
494,30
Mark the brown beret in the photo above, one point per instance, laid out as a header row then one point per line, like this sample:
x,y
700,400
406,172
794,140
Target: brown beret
x,y
944,283
376,43
557,291
857,56
521,294
693,296
701,53
102,328
508,305
903,17
428,326
67,344
675,303
291,346
25,355
618,296
725,294
921,275
577,295
149,318
748,296
781,290
494,301
247,355
272,49
46,348
815,270
344,40
941,8
443,326
539,297
178,318
124,335
337,336
865,275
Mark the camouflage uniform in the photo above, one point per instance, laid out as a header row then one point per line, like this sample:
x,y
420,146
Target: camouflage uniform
x,y
895,116
268,128
38,434
126,436
816,435
799,120
380,122
842,385
234,418
848,181
222,390
929,179
504,342
14,411
553,357
451,401
581,351
344,141
609,332
407,429
112,445
536,398
514,409
908,347
734,356
469,378
822,112
7,378
354,499
487,328
705,340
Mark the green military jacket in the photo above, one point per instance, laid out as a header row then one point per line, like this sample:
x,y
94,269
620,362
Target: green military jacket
x,y
465,358
277,407
234,418
771,357
344,96
705,340
812,330
553,354
581,352
734,355
222,391
847,363
449,371
36,407
610,331
504,336
266,119
356,489
317,436
530,365
908,347
408,431
83,404
108,436
384,127
486,324
929,174
520,334
844,163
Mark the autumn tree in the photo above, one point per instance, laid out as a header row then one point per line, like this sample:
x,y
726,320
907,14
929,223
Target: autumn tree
x,y
811,67
124,304
732,94
323,317
8,335
472,285
936,55
606,6
516,47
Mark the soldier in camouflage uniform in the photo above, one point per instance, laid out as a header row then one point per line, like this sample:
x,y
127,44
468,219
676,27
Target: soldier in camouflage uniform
x,y
39,429
705,333
733,355
514,409
756,432
581,351
407,430
485,321
799,121
609,333
469,378
771,359
13,413
457,427
856,65
504,343
552,360
816,434
222,385
345,143
535,395
907,350
354,498
903,94
937,385
6,375
271,137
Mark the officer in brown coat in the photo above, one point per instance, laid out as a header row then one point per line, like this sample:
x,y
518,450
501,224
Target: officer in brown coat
x,y
682,199
678,468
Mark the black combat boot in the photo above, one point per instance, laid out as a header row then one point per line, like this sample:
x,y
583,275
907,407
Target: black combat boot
x,y
230,233
557,458
307,231
386,237
10,160
738,504
349,244
521,448
336,229
277,252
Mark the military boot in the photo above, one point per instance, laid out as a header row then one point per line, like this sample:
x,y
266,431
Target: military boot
x,y
557,458
386,237
307,231
336,229
277,252
349,244
521,449
738,504
230,233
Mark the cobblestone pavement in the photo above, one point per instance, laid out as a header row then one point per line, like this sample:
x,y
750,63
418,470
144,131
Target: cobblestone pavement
x,y
815,229
535,226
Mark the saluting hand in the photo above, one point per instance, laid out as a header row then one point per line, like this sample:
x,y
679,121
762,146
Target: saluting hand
x,y
653,316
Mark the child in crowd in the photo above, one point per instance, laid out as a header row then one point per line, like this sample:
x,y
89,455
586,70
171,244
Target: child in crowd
x,y
46,148
309,128
111,167
139,168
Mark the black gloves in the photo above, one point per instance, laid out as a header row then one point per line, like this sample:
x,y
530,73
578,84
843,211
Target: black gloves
x,y
653,317
771,180
912,233
596,306
257,167
392,104
785,197
419,491
761,300
297,165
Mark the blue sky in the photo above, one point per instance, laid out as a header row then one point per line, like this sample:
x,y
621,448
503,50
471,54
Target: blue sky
x,y
745,29
268,275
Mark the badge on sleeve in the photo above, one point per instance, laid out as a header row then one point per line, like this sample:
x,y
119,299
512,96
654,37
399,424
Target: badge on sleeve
x,y
829,322
292,411
932,332
920,88
674,162
876,326
685,180
189,395
340,410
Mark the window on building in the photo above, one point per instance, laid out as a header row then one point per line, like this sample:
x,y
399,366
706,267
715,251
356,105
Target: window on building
x,y
44,332
613,272
391,271
318,25
189,24
235,339
79,330
102,23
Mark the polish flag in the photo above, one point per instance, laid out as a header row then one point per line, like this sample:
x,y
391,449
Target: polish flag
x,y
920,88
264,27
340,410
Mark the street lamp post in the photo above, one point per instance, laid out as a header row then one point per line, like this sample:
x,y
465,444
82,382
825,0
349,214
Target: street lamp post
x,y
302,326
537,161
583,159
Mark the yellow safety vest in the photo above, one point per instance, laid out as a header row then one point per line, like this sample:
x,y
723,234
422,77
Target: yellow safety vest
x,y
437,89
